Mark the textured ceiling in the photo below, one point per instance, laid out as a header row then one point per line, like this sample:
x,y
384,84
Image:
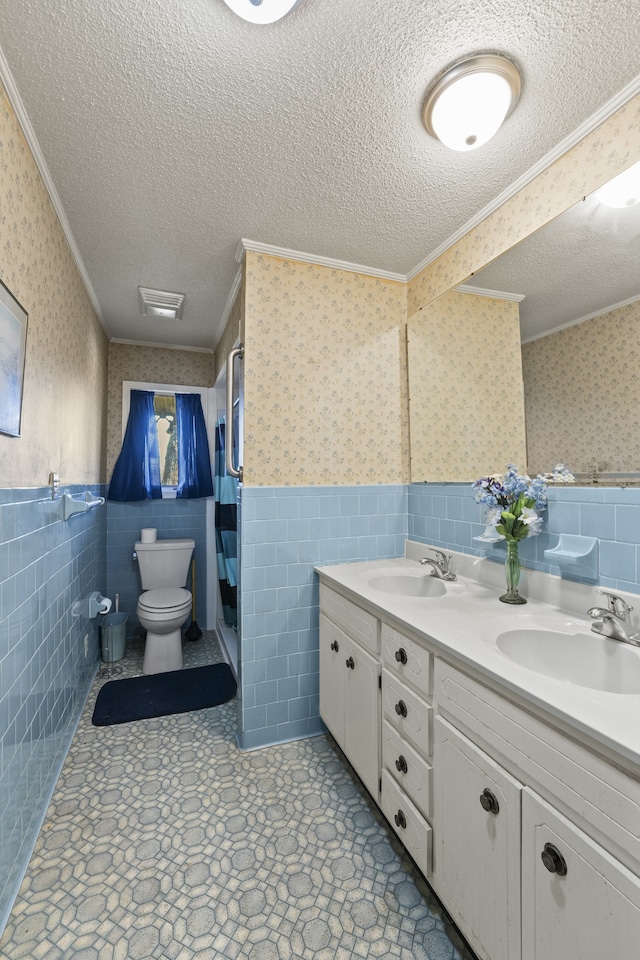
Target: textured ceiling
x,y
173,129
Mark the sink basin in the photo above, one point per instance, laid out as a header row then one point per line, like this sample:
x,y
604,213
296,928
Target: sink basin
x,y
572,652
408,584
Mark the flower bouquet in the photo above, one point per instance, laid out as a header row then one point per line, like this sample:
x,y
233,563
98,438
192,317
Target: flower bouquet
x,y
515,504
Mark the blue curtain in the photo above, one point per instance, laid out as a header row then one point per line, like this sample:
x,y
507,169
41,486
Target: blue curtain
x,y
226,524
194,466
136,475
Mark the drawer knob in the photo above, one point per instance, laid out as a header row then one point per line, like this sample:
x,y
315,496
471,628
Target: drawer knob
x,y
553,860
401,708
489,801
350,663
401,764
401,820
334,646
401,656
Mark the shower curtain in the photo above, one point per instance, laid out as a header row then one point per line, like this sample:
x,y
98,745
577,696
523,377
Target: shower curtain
x,y
226,524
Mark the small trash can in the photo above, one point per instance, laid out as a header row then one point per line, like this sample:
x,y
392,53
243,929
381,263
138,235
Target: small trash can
x,y
113,636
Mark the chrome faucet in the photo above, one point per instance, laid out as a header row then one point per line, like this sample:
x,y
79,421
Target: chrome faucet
x,y
612,621
440,565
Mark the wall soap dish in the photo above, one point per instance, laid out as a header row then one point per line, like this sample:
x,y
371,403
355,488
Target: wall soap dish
x,y
576,556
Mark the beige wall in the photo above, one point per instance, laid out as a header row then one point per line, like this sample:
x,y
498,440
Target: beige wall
x,y
582,394
149,365
325,378
64,399
465,385
603,154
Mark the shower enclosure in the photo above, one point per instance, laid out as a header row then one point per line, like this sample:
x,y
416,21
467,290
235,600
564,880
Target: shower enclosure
x,y
223,514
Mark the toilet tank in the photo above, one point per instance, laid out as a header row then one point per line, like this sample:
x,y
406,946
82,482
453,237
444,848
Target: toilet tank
x,y
164,563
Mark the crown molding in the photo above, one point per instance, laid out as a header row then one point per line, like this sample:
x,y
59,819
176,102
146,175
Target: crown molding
x,y
228,307
592,123
285,254
491,294
14,98
160,346
587,316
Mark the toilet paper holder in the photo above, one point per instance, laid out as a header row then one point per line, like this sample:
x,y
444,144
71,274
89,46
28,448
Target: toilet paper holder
x,y
91,606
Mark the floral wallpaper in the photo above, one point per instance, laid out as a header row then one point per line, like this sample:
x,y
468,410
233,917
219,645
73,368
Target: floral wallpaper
x,y
325,394
584,168
465,388
65,379
150,365
577,410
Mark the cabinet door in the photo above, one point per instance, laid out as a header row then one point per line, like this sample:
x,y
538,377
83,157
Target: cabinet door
x,y
592,911
476,831
362,714
333,650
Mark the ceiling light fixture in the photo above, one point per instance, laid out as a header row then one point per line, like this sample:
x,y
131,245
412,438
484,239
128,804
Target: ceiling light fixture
x,y
623,190
469,103
262,11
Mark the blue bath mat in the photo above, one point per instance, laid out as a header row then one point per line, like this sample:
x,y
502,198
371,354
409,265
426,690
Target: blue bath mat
x,y
161,694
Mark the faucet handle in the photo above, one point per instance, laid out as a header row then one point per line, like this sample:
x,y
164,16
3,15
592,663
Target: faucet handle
x,y
616,604
442,559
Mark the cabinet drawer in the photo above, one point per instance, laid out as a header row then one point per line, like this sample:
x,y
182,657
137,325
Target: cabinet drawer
x,y
359,624
406,820
407,712
407,767
591,791
407,659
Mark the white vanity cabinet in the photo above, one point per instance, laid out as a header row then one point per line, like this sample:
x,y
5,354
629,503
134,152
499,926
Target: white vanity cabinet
x,y
349,683
523,880
526,825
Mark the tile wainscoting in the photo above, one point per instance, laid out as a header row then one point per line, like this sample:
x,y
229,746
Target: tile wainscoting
x,y
286,531
447,515
46,564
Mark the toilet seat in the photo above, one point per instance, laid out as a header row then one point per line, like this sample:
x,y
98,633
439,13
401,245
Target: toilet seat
x,y
164,601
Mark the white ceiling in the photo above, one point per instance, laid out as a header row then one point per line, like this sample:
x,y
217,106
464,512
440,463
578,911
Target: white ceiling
x,y
171,129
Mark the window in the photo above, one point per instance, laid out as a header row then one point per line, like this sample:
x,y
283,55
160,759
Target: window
x,y
164,405
165,449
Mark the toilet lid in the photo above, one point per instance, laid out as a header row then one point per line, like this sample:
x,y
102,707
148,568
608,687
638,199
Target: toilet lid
x,y
164,599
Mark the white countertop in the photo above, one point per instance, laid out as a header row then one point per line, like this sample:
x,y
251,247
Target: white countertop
x,y
466,620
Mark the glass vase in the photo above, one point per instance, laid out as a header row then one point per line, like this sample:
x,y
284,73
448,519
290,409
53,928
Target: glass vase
x,y
512,574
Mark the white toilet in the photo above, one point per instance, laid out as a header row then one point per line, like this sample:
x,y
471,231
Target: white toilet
x,y
165,604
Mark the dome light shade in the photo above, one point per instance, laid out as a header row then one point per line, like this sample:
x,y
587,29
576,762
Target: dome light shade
x,y
468,104
262,11
623,190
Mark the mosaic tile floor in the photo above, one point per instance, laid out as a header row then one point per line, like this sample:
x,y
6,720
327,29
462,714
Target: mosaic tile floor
x,y
162,840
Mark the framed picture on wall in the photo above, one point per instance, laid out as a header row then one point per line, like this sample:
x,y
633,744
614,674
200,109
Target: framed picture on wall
x,y
13,341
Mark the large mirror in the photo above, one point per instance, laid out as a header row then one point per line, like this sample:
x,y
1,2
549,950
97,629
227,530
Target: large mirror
x,y
573,291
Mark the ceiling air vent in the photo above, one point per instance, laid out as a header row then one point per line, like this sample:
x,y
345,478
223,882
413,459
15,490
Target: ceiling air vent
x,y
160,303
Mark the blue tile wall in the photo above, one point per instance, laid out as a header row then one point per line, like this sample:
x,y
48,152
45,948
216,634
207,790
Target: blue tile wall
x,y
173,519
447,515
285,532
46,564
